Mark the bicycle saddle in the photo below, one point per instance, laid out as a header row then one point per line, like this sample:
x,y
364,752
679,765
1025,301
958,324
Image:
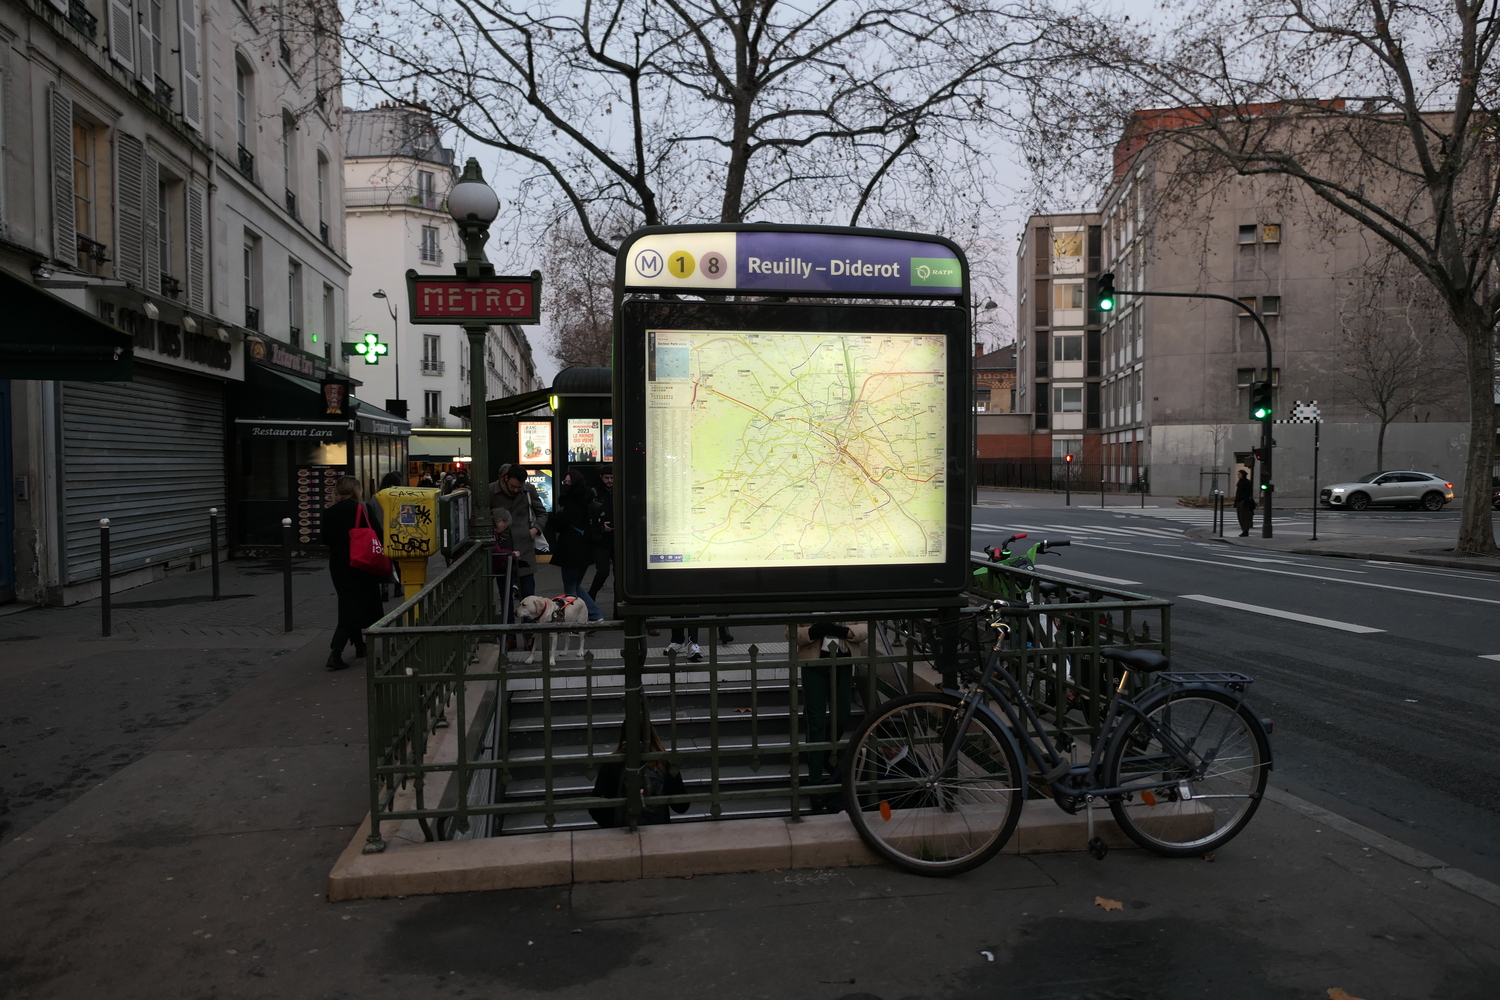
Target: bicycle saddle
x,y
1142,661
1049,589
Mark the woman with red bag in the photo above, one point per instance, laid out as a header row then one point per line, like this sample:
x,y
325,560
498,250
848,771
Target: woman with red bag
x,y
359,591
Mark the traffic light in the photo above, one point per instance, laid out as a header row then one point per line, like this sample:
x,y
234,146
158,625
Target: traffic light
x,y
1106,296
1068,458
1260,401
370,348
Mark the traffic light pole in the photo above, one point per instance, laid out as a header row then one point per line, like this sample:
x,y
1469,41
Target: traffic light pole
x,y
1265,425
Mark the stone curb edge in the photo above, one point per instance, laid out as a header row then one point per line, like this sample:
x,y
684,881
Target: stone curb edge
x,y
1483,566
1456,877
675,850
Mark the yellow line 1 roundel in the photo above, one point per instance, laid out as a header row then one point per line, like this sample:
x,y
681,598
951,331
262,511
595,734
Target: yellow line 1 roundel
x,y
680,264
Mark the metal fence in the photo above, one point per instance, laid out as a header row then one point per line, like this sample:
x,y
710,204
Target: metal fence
x,y
529,733
1056,474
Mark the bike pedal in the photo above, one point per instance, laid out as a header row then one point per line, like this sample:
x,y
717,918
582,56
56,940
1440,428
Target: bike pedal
x,y
1098,848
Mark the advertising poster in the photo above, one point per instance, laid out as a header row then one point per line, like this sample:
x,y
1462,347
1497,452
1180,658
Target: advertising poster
x,y
541,480
583,440
534,442
607,433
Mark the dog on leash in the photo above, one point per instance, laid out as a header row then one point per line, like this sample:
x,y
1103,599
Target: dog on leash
x,y
562,610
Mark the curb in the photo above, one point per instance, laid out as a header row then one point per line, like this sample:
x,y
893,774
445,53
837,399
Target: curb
x,y
1456,877
677,850
1482,564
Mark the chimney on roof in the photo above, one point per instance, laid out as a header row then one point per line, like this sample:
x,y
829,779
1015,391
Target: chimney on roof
x,y
978,349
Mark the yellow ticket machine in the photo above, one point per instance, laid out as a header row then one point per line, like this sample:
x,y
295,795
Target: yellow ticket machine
x,y
411,531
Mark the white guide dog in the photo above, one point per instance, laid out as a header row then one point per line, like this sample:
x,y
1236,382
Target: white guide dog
x,y
556,610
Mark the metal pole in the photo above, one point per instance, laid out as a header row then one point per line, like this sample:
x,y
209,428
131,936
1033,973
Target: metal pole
x,y
104,573
1317,426
213,545
286,572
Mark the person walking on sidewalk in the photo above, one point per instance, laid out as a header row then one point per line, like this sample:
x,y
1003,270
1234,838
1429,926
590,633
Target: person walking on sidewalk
x,y
1244,503
520,500
604,547
570,525
358,592
686,641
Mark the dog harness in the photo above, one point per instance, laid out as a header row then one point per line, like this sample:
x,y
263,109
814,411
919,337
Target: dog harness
x,y
560,607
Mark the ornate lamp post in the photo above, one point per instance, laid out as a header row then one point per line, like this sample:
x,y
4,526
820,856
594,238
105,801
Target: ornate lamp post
x,y
474,205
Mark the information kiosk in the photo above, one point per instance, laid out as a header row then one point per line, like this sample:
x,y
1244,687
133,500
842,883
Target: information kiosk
x,y
791,418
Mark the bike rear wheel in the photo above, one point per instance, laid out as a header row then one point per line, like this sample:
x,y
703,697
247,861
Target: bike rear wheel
x,y
1212,794
914,813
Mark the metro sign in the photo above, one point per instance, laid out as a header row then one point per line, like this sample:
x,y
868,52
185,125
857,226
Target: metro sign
x,y
448,299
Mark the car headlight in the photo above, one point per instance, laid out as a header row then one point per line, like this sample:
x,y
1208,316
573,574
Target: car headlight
x,y
1338,489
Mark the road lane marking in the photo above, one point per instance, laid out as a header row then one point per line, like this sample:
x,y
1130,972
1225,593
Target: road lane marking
x,y
1445,573
1091,576
1489,656
1306,576
1284,562
1278,613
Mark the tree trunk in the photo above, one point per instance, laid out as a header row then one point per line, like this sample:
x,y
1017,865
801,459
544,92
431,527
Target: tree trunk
x,y
1380,445
1476,530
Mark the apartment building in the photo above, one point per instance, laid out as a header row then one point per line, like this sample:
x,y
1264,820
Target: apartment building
x,y
398,174
1058,340
125,192
1174,393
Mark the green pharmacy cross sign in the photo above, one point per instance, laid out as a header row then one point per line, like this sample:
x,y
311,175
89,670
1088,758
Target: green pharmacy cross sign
x,y
370,349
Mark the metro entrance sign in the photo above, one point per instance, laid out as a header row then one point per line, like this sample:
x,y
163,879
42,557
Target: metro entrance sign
x,y
449,299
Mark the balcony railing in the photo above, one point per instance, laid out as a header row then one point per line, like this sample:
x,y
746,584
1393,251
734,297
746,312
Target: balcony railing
x,y
170,286
434,420
247,162
92,249
395,196
432,367
291,203
82,21
323,233
294,337
252,318
164,92
431,254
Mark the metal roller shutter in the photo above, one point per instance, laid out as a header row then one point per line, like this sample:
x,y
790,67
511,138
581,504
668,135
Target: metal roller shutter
x,y
148,455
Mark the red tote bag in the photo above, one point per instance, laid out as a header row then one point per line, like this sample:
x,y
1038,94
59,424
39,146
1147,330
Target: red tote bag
x,y
365,551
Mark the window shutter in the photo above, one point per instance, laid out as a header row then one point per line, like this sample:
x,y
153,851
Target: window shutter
x,y
122,33
150,194
145,61
61,5
192,80
197,249
64,224
130,244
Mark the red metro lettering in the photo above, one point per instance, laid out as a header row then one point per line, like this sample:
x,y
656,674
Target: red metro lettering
x,y
462,299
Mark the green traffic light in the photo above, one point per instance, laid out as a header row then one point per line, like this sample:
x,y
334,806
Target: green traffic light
x,y
1106,295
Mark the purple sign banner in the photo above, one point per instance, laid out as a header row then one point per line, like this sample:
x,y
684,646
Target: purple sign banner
x,y
792,262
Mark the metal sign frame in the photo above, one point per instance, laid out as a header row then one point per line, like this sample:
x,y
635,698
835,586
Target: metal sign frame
x,y
788,300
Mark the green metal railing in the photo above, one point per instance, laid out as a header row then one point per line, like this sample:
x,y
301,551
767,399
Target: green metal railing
x,y
736,721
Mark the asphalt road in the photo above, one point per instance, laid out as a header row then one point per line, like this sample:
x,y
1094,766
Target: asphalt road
x,y
1387,711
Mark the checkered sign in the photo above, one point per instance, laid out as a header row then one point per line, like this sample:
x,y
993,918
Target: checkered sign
x,y
1302,413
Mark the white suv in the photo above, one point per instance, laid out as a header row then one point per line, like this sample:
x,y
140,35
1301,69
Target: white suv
x,y
1390,489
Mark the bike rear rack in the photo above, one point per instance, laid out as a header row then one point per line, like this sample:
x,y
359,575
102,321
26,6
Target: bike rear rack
x,y
1231,679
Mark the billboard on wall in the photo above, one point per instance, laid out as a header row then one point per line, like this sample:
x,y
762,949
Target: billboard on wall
x,y
534,441
584,440
607,436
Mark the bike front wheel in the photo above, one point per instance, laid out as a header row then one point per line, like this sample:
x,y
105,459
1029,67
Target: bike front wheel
x,y
912,810
1204,793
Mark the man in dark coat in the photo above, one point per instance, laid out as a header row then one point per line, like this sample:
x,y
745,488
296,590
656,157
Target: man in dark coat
x,y
1244,503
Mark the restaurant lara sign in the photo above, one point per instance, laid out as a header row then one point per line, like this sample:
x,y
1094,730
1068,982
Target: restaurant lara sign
x,y
448,300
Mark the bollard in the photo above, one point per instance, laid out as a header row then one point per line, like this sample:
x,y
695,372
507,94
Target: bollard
x,y
104,573
286,570
213,545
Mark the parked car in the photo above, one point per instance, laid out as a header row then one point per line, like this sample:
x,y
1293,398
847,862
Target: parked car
x,y
1390,489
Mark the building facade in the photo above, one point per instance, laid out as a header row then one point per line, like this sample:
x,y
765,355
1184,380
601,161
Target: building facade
x,y
1058,342
995,380
398,174
1176,372
136,137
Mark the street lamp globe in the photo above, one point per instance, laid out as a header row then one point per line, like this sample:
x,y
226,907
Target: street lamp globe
x,y
472,200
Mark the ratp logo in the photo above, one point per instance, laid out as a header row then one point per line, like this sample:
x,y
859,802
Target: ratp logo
x,y
924,272
943,272
648,263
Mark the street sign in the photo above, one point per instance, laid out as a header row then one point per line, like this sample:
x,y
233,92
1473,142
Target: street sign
x,y
448,300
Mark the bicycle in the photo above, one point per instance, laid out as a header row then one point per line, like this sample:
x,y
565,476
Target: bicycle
x,y
934,782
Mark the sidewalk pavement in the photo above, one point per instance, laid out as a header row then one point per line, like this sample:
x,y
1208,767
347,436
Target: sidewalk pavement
x,y
192,862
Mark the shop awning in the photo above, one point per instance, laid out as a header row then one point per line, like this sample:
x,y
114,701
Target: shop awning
x,y
522,403
434,445
45,337
373,420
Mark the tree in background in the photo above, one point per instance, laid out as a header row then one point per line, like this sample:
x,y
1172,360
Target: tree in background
x,y
1385,113
652,112
577,297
